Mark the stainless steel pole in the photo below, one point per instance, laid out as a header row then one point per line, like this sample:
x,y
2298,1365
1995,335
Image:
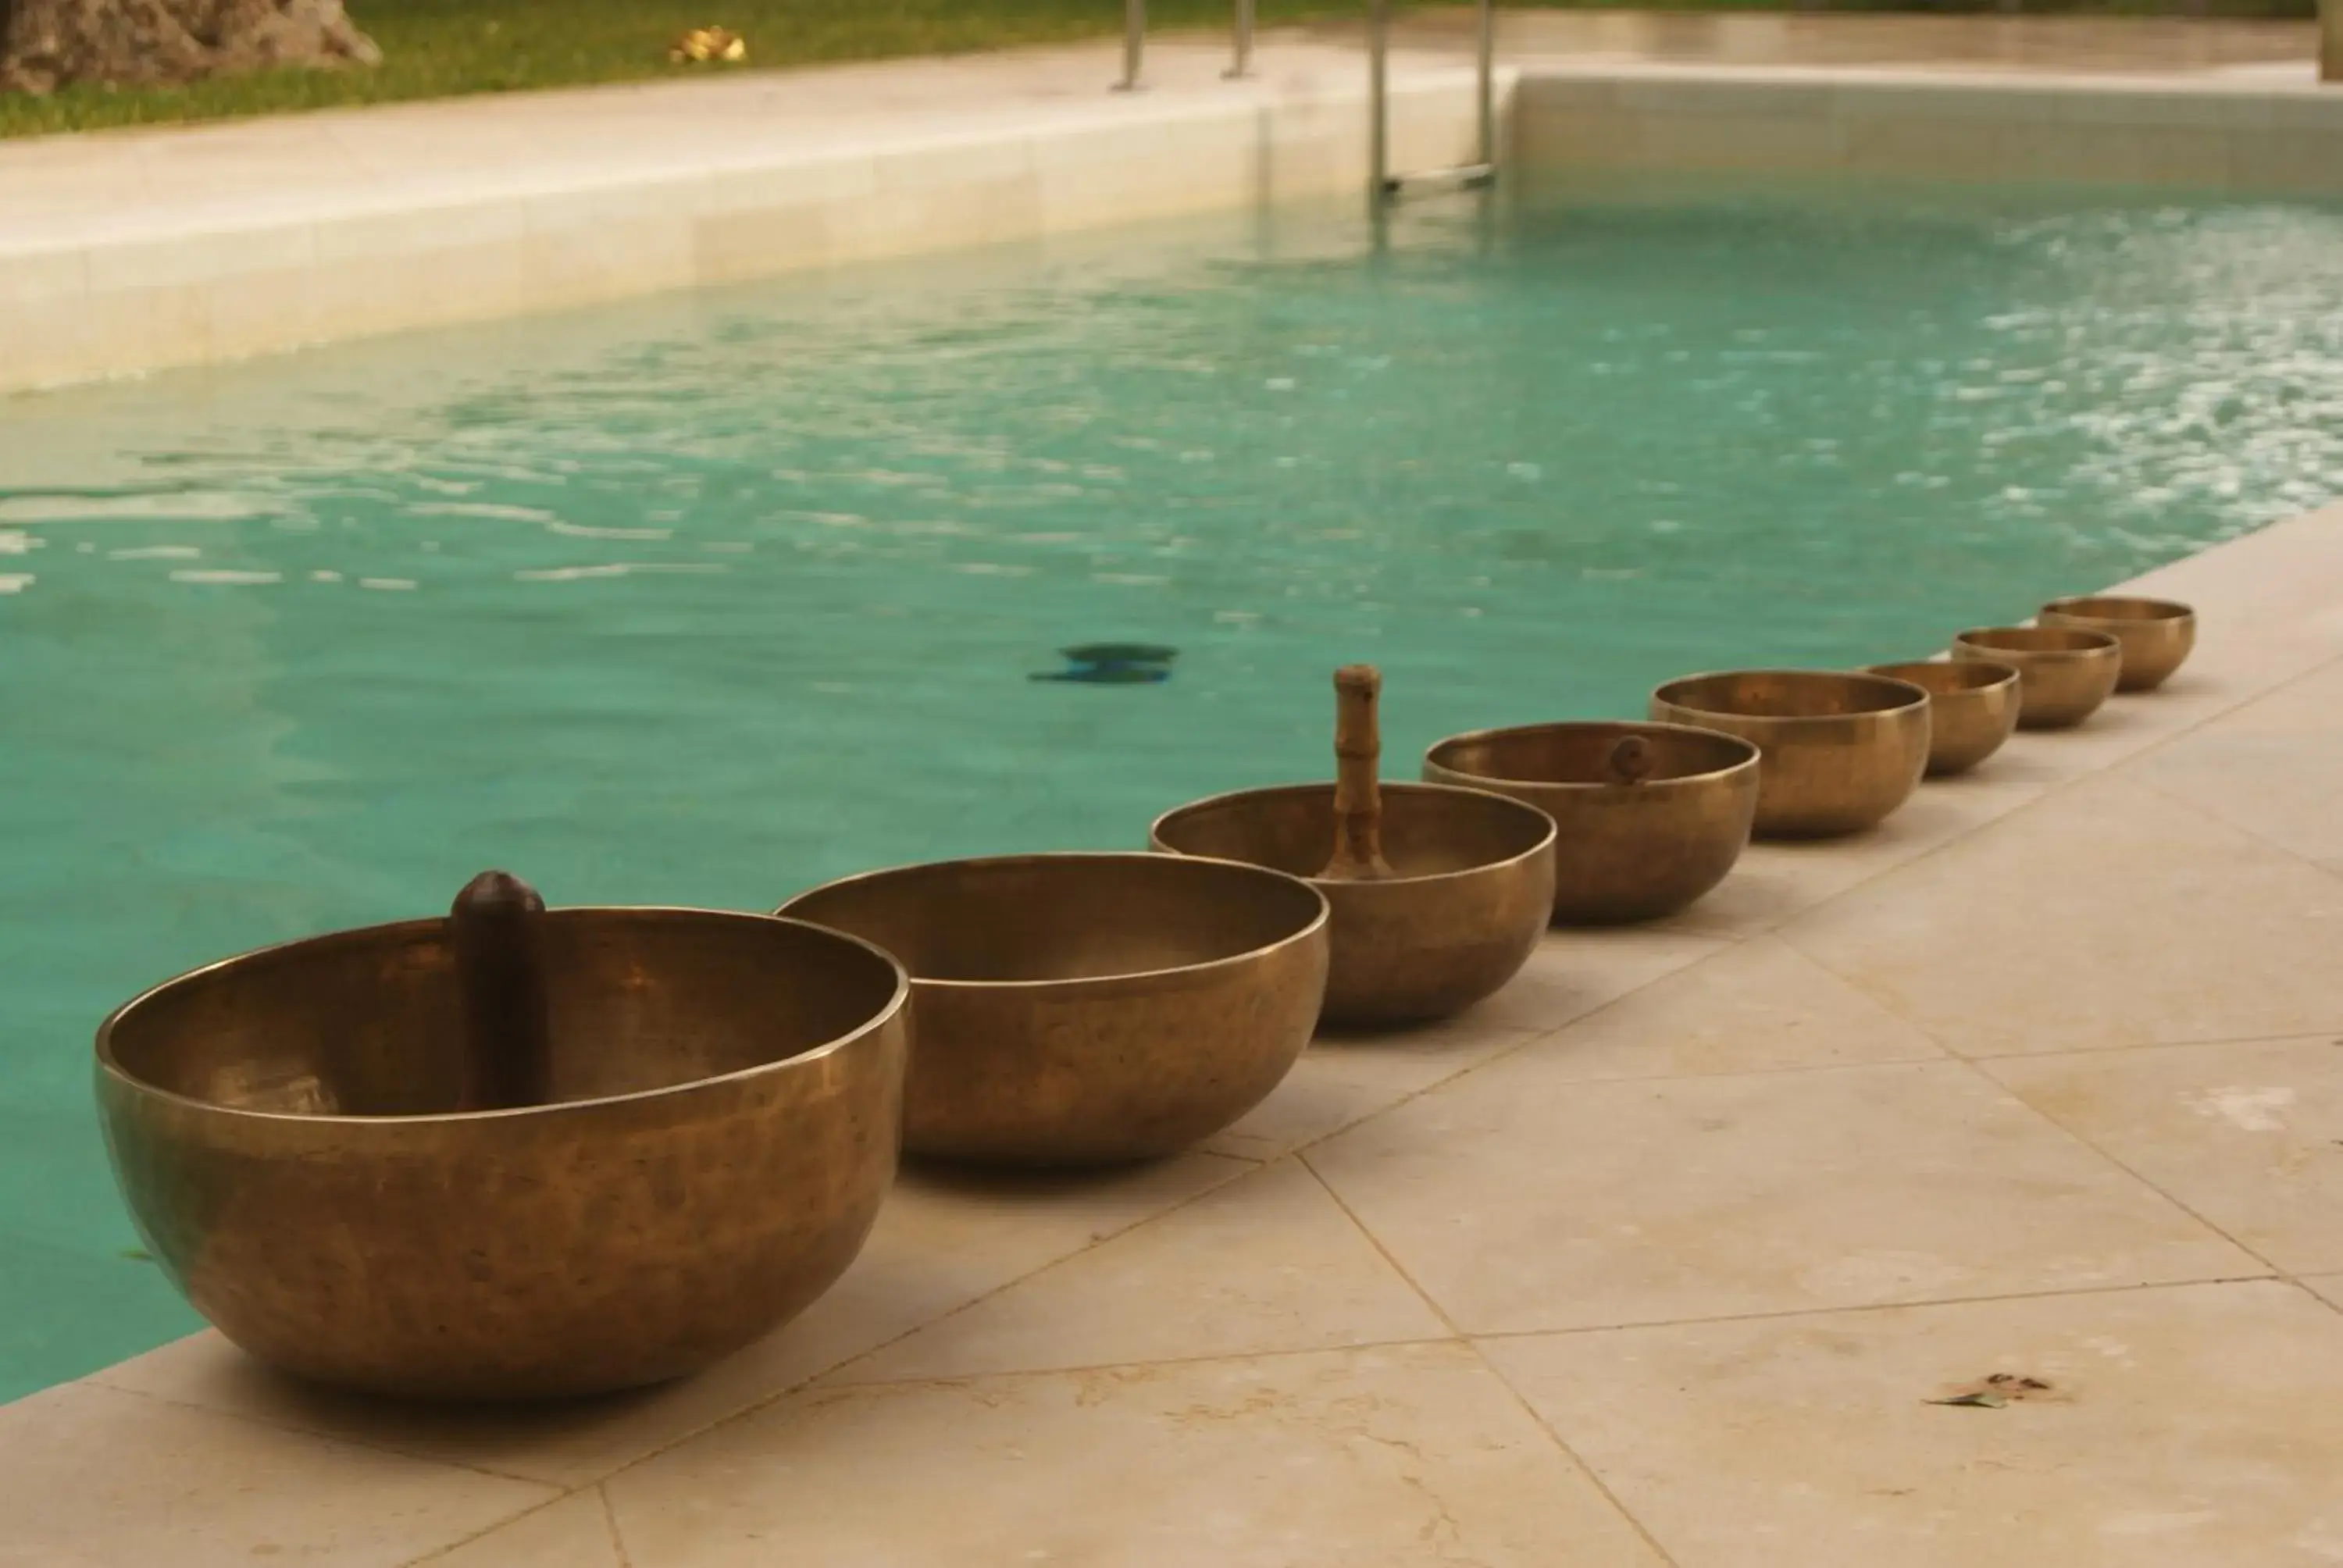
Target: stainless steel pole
x,y
1379,96
1134,43
1241,66
1488,83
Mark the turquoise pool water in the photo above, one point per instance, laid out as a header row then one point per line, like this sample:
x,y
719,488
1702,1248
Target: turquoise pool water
x,y
706,600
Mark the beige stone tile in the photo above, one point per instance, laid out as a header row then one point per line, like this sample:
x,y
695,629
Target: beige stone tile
x,y
2161,107
600,245
2197,157
975,155
1268,1263
363,296
1785,143
2296,162
2317,110
41,342
784,181
1950,101
1122,172
2126,727
1563,135
1574,971
422,229
93,1478
574,1533
1389,1458
1519,1200
2328,1289
151,327
2273,768
2195,1425
198,257
1774,881
1344,1077
1347,1076
262,313
2103,915
941,1241
2275,593
1754,1007
767,242
1935,147
1727,98
936,218
2248,1135
52,280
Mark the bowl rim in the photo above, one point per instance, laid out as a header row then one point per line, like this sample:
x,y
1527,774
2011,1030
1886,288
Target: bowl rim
x,y
2009,673
897,1001
1914,696
2108,643
1315,928
2159,611
1416,785
1625,726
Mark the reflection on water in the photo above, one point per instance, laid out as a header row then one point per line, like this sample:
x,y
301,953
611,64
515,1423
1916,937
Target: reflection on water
x,y
706,600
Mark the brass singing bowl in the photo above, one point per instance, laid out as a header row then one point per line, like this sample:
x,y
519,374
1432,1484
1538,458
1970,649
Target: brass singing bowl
x,y
727,1098
2156,634
1089,1009
1471,898
1972,709
1841,751
1622,851
2063,673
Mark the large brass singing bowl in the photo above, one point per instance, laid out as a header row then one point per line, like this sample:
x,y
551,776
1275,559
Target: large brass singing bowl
x,y
1472,895
1089,1009
2156,634
1622,851
2065,674
1841,751
726,1101
1972,709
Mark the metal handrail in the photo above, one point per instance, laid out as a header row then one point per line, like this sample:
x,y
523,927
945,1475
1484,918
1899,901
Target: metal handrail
x,y
1134,43
1488,63
1484,169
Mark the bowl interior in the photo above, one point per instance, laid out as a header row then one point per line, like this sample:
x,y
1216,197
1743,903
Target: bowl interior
x,y
2039,639
1580,753
1427,831
1034,917
368,1022
2109,606
1947,678
1789,694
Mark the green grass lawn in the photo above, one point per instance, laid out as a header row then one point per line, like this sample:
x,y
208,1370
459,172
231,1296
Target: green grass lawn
x,y
439,48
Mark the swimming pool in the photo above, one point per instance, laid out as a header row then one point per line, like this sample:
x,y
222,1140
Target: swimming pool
x,y
708,600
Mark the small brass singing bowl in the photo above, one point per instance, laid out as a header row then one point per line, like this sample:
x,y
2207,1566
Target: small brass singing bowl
x,y
1841,751
1089,1009
722,1126
2156,634
1972,709
2063,673
1623,852
1471,898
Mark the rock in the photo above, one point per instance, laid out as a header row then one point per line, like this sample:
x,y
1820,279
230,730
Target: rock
x,y
45,44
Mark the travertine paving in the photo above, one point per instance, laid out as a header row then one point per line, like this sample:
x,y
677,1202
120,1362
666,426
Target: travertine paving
x,y
1669,1255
